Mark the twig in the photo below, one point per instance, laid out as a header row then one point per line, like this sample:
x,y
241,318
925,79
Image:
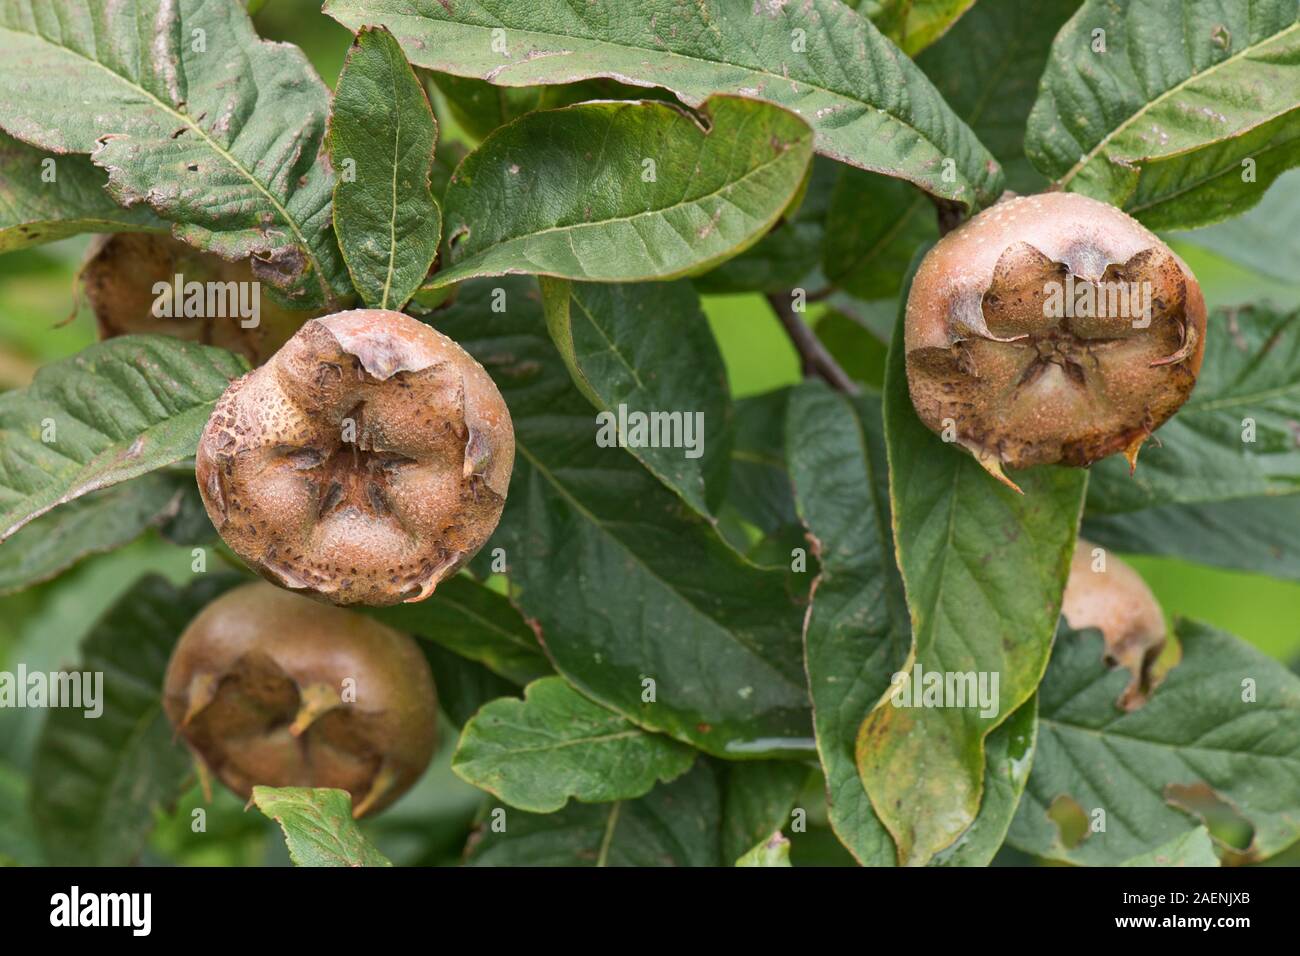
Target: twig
x,y
813,356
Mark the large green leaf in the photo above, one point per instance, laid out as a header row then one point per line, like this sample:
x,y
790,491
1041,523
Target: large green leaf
x,y
914,24
984,569
873,228
475,622
1162,127
1193,848
97,782
1251,372
1249,534
625,584
115,411
758,484
101,521
318,826
869,105
382,130
44,198
624,347
1226,718
858,634
463,685
1264,238
191,113
757,797
660,197
675,824
554,744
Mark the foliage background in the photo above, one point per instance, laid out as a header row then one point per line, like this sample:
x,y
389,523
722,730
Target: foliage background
x,y
42,320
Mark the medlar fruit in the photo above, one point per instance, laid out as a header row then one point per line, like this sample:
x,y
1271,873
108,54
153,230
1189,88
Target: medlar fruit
x,y
1118,603
272,688
368,460
1051,328
120,274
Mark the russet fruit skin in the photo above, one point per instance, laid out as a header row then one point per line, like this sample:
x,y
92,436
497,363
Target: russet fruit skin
x,y
256,687
365,462
1022,387
1118,603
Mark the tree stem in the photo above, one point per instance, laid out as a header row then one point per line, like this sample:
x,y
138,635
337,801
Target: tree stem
x,y
813,356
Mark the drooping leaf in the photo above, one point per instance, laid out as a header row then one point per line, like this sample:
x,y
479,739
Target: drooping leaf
x,y
1193,848
1237,435
984,569
1249,534
622,191
1225,723
382,129
146,87
117,410
626,585
772,851
475,622
99,522
318,826
44,198
463,685
554,744
914,24
757,799
869,105
1128,117
675,824
1263,238
97,782
647,349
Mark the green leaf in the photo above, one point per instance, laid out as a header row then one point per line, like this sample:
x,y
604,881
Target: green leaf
x,y
661,196
1193,848
914,24
1264,238
101,521
146,87
773,851
554,744
869,105
987,67
1251,373
382,128
318,826
1226,718
624,582
96,783
1249,534
463,685
34,210
758,796
675,824
758,484
623,345
873,228
1160,127
475,622
983,569
117,410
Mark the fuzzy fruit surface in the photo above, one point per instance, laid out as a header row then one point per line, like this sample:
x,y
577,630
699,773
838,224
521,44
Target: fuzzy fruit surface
x,y
1051,329
258,687
366,461
1116,601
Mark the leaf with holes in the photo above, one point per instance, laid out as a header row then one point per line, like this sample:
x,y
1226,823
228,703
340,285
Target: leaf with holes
x,y
145,87
869,105
382,129
115,411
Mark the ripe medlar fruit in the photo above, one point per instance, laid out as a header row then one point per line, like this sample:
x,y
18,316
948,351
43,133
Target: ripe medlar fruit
x,y
121,271
368,460
1118,603
1051,328
272,688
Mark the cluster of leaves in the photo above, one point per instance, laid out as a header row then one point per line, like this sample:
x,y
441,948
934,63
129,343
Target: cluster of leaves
x,y
659,679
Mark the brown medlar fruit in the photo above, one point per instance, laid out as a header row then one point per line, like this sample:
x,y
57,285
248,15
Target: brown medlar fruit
x,y
275,689
1051,328
1118,603
120,275
368,460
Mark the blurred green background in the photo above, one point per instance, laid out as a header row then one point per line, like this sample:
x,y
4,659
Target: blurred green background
x,y
41,319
